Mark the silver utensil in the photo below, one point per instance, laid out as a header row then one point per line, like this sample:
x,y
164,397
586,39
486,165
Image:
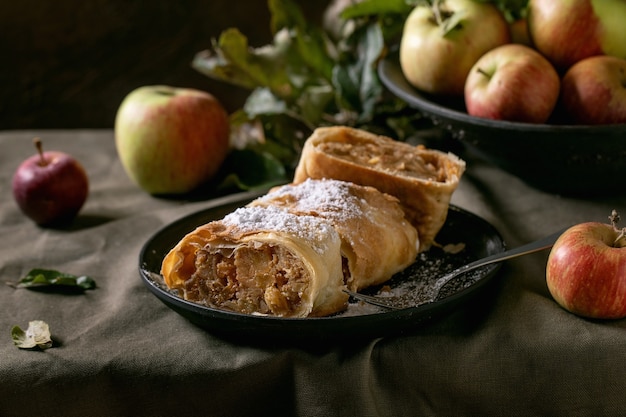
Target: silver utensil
x,y
433,291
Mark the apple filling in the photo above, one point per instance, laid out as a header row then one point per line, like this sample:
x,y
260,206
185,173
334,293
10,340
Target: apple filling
x,y
392,159
255,278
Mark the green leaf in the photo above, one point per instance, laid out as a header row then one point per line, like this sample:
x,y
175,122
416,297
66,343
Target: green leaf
x,y
313,102
356,82
85,282
376,7
390,15
250,170
36,335
285,14
233,61
310,57
262,101
312,49
215,63
50,279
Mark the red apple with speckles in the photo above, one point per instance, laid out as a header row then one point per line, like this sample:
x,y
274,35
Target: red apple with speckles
x,y
586,271
50,187
171,140
593,91
567,31
512,82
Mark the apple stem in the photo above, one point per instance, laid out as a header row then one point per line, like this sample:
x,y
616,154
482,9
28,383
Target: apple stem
x,y
614,218
39,146
437,12
483,72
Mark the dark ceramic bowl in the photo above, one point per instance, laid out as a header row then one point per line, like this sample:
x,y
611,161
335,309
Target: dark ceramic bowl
x,y
563,159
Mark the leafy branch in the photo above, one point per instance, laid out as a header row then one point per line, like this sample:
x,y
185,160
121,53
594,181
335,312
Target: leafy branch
x,y
306,78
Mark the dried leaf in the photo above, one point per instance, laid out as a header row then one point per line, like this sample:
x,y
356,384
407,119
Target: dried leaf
x,y
36,335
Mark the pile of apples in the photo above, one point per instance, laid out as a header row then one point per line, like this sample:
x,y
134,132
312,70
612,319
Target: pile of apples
x,y
564,63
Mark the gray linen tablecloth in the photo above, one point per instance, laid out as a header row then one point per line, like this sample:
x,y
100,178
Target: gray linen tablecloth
x,y
120,351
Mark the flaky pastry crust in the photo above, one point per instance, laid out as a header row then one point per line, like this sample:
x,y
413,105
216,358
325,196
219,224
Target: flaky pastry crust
x,y
422,179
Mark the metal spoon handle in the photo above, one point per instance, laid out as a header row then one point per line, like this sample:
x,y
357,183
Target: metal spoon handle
x,y
432,292
536,246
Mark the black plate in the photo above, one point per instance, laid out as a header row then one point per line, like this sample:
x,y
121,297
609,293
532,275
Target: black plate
x,y
479,237
566,159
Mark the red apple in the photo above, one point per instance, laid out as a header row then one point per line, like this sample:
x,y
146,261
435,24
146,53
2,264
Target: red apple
x,y
586,271
512,82
593,91
171,140
567,31
440,43
50,187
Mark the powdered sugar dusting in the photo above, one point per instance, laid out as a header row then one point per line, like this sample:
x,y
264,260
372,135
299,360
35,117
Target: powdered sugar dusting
x,y
253,219
319,195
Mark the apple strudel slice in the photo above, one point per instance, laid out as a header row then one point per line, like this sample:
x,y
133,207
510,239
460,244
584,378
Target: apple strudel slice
x,y
422,179
292,252
260,260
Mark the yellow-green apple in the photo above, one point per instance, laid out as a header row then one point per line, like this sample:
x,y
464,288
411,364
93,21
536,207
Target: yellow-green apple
x,y
50,187
171,140
441,42
566,31
593,91
586,270
512,82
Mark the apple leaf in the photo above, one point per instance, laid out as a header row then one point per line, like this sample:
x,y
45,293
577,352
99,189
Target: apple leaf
x,y
233,61
355,81
48,279
262,101
250,170
285,14
389,15
376,7
36,335
309,41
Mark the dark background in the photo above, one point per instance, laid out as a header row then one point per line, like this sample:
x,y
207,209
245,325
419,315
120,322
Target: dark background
x,y
69,64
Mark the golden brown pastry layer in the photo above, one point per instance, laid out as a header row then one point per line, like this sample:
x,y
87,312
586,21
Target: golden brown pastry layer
x,y
423,180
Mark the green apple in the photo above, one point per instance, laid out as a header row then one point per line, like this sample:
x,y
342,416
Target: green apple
x,y
441,42
567,31
171,140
